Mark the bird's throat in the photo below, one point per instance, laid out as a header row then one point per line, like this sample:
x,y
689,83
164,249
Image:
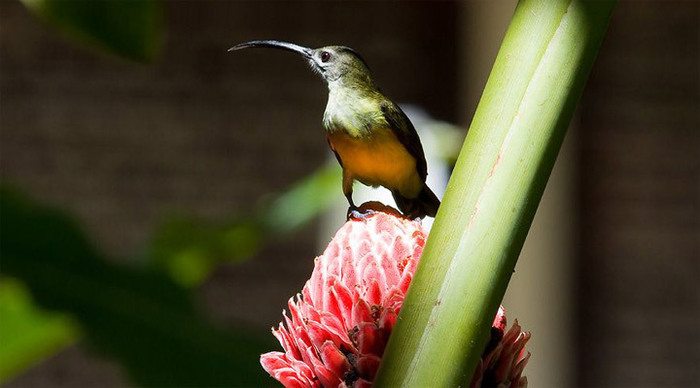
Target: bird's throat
x,y
352,110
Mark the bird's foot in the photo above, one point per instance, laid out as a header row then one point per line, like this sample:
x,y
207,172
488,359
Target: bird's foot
x,y
358,213
368,209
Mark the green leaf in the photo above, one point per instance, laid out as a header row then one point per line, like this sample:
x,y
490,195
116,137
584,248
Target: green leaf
x,y
27,334
303,201
132,29
138,316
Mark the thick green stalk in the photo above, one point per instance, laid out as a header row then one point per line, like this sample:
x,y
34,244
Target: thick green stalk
x,y
494,191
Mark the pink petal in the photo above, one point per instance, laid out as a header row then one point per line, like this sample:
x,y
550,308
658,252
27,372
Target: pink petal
x,y
327,378
370,340
500,322
342,298
320,334
362,383
405,281
367,367
387,320
331,304
518,369
364,248
374,293
334,360
290,379
278,367
361,312
273,360
337,332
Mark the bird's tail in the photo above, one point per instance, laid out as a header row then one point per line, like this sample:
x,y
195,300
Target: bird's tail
x,y
426,204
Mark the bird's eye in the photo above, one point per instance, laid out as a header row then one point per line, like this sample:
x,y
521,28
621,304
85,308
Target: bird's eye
x,y
325,56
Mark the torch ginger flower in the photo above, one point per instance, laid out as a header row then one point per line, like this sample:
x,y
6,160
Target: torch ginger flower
x,y
338,327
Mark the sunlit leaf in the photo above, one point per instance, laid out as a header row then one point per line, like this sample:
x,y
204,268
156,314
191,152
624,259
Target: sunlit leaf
x,y
303,201
132,29
27,334
137,316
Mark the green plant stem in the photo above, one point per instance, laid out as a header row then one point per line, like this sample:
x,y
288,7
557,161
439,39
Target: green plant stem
x,y
494,191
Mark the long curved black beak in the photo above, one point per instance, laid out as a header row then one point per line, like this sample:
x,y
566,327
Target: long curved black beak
x,y
305,51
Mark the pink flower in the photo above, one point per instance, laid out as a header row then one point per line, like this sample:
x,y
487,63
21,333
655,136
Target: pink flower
x,y
504,358
337,329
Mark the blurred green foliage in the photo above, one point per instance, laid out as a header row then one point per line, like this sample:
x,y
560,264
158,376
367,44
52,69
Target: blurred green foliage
x,y
136,315
132,29
190,248
28,334
147,310
303,201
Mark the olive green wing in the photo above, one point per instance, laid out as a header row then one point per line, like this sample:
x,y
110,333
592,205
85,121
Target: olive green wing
x,y
406,133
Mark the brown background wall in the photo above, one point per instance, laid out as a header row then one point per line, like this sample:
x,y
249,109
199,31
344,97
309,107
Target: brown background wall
x,y
639,268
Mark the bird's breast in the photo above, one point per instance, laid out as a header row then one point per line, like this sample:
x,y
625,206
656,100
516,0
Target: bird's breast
x,y
377,159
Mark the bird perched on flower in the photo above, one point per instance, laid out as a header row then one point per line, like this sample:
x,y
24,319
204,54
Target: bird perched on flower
x,y
373,140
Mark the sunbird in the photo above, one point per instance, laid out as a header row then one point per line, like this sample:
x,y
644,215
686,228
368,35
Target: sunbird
x,y
373,140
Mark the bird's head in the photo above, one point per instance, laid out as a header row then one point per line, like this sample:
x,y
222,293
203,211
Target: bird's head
x,y
333,63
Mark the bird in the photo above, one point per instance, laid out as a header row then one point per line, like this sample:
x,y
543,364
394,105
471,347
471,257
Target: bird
x,y
371,137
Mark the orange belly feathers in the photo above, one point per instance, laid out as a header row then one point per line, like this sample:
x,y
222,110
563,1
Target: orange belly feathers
x,y
378,160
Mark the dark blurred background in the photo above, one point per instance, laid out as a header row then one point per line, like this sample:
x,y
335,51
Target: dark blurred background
x,y
608,278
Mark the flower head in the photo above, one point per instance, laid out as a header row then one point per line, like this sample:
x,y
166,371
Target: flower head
x,y
337,328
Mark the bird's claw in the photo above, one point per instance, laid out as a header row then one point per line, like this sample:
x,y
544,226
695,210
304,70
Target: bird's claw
x,y
355,213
